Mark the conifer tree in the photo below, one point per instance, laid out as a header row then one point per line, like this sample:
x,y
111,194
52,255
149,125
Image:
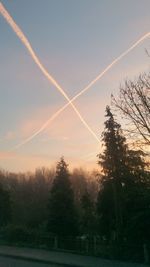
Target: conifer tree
x,y
88,215
62,219
123,173
112,162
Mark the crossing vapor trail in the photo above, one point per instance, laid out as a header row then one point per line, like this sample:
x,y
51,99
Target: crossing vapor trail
x,y
56,114
27,44
25,41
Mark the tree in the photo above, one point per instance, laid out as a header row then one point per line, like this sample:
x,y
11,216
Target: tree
x,y
79,184
5,207
134,104
112,161
29,193
88,215
123,174
62,219
106,210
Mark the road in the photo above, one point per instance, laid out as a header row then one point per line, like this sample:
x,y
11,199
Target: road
x,y
26,257
10,262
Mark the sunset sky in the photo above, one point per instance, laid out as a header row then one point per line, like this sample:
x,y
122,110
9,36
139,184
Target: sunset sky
x,y
75,40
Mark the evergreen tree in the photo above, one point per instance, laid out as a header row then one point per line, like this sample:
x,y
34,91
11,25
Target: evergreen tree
x,y
123,174
62,219
88,215
112,162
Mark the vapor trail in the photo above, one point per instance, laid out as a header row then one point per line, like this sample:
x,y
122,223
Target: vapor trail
x,y
22,37
86,88
25,41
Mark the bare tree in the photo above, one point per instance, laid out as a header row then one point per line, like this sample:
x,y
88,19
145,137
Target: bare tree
x,y
134,104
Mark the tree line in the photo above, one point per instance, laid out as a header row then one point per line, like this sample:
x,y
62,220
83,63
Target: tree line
x,y
25,196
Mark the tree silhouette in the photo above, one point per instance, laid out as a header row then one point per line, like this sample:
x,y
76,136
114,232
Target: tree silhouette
x,y
123,178
62,219
88,215
5,206
134,104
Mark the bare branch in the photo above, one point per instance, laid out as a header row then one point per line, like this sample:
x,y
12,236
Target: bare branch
x,y
134,103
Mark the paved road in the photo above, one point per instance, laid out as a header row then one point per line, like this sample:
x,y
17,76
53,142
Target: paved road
x,y
10,262
55,259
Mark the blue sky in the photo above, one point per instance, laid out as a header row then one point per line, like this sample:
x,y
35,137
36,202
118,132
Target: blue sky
x,y
75,40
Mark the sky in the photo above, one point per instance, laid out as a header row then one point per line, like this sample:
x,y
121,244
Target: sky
x,y
75,40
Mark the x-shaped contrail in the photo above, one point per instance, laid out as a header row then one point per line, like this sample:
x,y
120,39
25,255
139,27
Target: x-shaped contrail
x,y
25,41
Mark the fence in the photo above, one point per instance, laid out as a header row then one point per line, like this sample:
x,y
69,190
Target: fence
x,y
95,247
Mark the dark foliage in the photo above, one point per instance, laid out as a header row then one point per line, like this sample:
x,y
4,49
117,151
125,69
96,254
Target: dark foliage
x,y
123,185
62,220
5,206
